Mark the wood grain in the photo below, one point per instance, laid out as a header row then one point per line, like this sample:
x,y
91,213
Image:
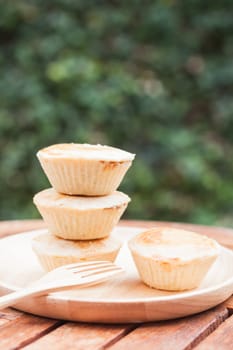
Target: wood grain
x,y
177,334
77,336
220,339
23,330
8,315
229,305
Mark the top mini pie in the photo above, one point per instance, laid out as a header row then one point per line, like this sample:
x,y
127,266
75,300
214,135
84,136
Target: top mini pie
x,y
83,169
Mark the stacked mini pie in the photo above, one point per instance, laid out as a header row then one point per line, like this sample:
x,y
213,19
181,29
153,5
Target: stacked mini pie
x,y
83,205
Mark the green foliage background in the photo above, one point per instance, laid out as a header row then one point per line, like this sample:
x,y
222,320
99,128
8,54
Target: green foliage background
x,y
152,77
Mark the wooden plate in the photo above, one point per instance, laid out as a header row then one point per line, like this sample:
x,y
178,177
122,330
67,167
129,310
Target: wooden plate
x,y
121,299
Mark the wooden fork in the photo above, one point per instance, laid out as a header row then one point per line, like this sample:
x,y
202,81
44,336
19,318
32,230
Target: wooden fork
x,y
68,276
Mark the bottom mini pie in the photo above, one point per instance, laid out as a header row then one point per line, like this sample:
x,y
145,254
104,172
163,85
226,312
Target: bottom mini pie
x,y
53,251
173,259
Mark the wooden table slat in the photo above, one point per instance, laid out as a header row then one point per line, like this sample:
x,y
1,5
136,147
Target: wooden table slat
x,y
8,315
23,330
221,338
229,305
180,334
78,336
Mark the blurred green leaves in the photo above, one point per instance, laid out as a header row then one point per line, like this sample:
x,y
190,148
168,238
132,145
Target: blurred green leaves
x,y
155,79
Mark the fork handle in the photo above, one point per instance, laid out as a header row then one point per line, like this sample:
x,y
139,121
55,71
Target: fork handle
x,y
13,298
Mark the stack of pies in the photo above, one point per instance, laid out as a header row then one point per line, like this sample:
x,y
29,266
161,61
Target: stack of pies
x,y
83,205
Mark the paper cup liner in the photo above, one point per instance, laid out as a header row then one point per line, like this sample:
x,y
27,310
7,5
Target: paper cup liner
x,y
84,177
172,277
51,262
81,224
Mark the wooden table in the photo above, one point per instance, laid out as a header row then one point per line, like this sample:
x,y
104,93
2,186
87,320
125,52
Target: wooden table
x,y
212,329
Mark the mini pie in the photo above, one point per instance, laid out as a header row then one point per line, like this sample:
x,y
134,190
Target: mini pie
x,y
53,252
83,169
80,218
173,259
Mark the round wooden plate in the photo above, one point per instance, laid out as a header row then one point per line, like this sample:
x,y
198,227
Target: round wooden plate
x,y
122,299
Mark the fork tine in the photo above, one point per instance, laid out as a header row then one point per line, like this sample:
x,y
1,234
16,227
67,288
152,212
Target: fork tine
x,y
86,263
101,270
79,269
98,278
